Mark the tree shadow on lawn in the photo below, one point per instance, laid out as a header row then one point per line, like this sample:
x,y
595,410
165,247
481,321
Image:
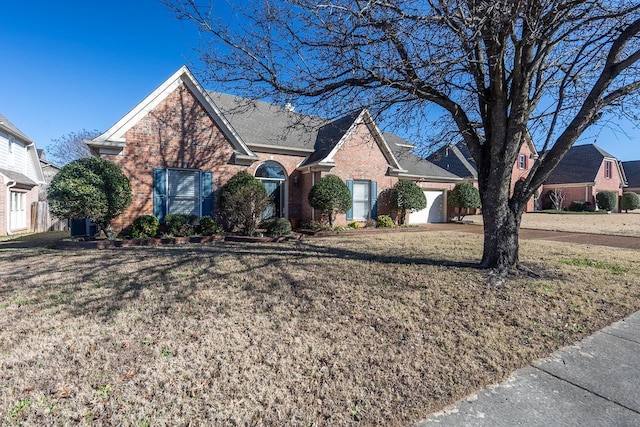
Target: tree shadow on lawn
x,y
65,278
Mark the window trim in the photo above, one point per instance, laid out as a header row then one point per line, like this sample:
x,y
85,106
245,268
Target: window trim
x,y
160,191
522,161
607,169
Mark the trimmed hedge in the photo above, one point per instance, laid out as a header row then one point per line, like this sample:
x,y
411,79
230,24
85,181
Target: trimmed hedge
x,y
144,226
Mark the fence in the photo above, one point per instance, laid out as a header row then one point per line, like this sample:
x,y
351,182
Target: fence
x,y
42,220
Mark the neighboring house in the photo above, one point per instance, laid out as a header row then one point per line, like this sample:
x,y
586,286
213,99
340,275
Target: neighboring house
x,y
583,172
632,172
181,144
457,159
20,178
49,170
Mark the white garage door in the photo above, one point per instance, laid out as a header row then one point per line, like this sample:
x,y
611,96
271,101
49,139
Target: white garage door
x,y
435,210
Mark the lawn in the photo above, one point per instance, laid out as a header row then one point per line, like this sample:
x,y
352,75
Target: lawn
x,y
367,330
618,224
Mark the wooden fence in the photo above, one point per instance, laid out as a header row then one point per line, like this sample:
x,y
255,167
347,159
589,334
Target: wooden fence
x,y
42,220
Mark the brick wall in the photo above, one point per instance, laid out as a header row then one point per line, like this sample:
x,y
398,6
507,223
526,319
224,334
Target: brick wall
x,y
3,207
178,133
360,158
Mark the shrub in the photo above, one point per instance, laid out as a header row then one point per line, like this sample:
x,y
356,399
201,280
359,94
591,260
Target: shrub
x,y
208,226
181,225
354,224
331,195
144,226
243,199
629,201
278,227
576,206
384,221
607,200
463,196
406,196
371,223
91,188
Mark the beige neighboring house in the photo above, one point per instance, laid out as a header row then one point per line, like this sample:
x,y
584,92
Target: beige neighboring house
x,y
20,178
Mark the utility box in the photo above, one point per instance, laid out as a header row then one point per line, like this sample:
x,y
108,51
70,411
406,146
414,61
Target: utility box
x,y
83,228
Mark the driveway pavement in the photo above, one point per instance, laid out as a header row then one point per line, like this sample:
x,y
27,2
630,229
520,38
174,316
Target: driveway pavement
x,y
593,383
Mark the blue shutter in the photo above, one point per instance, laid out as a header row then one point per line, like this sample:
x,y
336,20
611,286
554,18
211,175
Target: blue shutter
x,y
160,193
374,200
207,193
350,211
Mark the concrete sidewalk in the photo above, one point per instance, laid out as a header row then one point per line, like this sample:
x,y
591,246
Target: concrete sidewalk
x,y
593,383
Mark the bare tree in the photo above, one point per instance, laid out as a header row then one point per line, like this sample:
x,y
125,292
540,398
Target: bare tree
x,y
497,68
556,196
70,147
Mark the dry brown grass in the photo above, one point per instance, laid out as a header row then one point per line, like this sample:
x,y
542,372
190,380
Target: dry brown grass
x,y
617,224
370,330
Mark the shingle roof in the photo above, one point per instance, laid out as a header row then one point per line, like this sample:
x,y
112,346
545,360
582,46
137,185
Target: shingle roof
x,y
414,164
456,159
261,123
4,122
579,165
17,177
329,135
632,171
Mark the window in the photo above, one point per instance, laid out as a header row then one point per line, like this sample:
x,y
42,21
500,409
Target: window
x,y
522,161
607,169
364,205
17,210
182,191
273,178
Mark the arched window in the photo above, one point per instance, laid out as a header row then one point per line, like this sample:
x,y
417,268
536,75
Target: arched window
x,y
273,176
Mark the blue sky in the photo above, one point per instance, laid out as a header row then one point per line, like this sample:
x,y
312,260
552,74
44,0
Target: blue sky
x,y
73,65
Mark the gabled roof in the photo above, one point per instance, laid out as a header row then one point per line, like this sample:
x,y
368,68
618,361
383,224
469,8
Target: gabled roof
x,y
414,165
632,171
579,165
114,137
13,129
455,159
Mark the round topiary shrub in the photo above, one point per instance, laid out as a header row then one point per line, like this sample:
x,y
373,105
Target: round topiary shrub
x,y
208,226
278,227
629,201
607,200
405,197
330,195
384,221
243,199
144,226
576,206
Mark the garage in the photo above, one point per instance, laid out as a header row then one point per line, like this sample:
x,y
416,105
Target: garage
x,y
435,210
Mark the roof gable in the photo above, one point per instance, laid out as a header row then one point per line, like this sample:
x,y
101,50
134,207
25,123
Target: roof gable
x,y
580,165
114,137
455,159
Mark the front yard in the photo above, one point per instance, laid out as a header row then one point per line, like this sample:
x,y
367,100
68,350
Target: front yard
x,y
370,330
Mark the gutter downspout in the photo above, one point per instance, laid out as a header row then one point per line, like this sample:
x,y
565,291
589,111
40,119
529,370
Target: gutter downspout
x,y
9,187
313,182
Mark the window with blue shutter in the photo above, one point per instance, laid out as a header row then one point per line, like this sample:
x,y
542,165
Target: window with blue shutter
x,y
350,211
207,193
160,193
374,200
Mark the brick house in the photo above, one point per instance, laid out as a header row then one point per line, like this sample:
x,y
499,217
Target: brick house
x,y
181,144
631,170
583,172
20,178
457,159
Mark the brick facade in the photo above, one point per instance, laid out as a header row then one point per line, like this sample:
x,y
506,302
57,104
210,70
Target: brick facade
x,y
178,133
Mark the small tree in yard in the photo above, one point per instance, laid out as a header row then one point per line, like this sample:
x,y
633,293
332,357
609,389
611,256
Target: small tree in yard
x,y
91,188
607,200
556,197
629,201
406,196
242,200
330,195
463,196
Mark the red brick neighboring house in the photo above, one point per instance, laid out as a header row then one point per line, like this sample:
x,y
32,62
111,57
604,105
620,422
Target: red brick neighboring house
x,y
583,172
20,178
457,159
632,173
181,144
